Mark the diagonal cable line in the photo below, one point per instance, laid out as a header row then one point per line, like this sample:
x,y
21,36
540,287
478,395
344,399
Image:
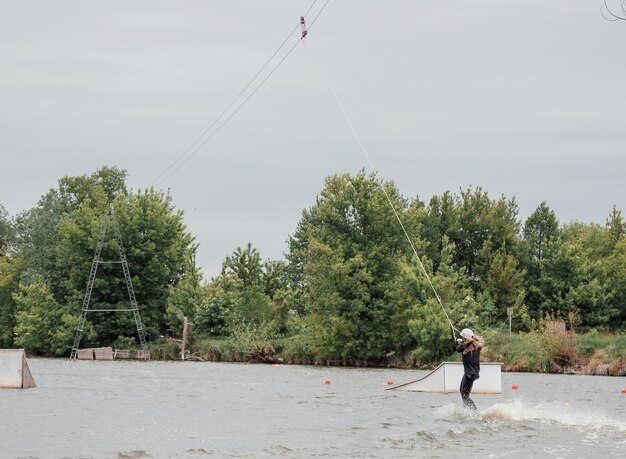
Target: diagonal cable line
x,y
358,140
218,129
198,143
181,156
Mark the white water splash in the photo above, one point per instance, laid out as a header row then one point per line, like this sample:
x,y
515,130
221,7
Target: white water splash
x,y
545,413
564,415
455,411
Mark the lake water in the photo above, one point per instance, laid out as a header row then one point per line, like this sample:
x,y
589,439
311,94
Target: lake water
x,y
192,409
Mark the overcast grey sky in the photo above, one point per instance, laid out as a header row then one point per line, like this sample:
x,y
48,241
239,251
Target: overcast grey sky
x,y
525,98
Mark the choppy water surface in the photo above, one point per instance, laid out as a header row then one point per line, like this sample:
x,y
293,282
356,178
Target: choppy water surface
x,y
191,409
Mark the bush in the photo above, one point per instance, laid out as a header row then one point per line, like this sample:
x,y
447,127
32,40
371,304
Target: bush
x,y
164,349
590,342
251,342
431,333
558,350
613,346
558,343
296,349
123,342
520,352
210,349
618,348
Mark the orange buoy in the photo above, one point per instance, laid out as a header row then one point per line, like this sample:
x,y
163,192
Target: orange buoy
x,y
277,366
514,386
390,382
327,381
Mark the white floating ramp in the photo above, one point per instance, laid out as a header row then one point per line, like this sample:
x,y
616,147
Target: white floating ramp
x,y
447,378
14,371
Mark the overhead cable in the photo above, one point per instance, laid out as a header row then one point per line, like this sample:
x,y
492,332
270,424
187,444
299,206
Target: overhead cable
x,y
358,140
205,137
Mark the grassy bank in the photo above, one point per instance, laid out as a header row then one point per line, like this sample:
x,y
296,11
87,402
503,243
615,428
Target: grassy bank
x,y
546,351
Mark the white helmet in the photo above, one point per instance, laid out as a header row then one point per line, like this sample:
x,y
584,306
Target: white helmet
x,y
467,333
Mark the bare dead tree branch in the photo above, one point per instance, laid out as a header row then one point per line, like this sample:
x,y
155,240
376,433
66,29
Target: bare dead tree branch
x,y
609,15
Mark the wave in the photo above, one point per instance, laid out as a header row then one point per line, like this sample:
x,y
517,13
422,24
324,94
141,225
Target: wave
x,y
518,411
545,413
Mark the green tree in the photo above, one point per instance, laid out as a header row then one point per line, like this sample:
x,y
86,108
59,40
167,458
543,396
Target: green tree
x,y
9,280
248,291
560,269
37,240
590,301
43,326
472,230
6,232
242,273
38,230
615,273
476,225
274,278
440,220
597,296
427,322
157,248
540,228
186,297
573,277
211,317
505,282
616,226
346,254
252,307
540,232
244,265
75,190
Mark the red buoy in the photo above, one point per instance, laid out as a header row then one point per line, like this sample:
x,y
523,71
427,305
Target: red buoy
x,y
623,390
514,386
390,382
327,381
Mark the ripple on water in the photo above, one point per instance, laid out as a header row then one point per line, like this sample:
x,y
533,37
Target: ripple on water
x,y
279,450
134,455
296,418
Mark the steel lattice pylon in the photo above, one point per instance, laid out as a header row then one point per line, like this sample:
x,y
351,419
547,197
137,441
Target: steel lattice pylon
x,y
109,218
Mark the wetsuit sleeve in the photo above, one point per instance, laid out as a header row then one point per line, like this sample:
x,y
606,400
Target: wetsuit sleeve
x,y
460,347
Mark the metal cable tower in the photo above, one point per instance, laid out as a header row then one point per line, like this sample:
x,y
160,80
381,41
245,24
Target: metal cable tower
x,y
109,218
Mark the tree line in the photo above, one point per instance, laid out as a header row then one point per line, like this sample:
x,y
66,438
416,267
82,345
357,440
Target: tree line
x,y
348,290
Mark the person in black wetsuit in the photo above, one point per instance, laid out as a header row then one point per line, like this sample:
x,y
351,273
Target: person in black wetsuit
x,y
470,346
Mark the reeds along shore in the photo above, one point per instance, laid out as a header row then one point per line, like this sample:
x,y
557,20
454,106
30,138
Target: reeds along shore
x,y
560,351
546,351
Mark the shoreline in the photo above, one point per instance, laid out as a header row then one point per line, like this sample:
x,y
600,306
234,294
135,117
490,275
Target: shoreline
x,y
597,363
506,368
590,354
